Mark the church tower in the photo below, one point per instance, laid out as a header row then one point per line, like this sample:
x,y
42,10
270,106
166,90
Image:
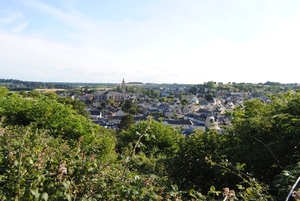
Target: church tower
x,y
123,86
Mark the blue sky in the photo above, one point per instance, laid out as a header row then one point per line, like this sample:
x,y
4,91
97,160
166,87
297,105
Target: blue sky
x,y
160,41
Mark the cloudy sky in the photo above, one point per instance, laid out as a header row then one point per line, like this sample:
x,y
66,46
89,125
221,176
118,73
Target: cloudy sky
x,y
160,41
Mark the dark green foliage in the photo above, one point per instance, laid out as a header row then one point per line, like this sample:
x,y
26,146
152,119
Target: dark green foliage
x,y
129,107
268,135
158,139
149,143
208,97
126,122
189,170
193,90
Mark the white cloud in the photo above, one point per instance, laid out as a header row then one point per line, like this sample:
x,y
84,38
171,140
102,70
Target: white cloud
x,y
168,47
19,27
10,17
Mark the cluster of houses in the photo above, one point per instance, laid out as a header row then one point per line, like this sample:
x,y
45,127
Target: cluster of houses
x,y
196,114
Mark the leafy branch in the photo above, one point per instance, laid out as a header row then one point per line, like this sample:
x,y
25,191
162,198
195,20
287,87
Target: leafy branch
x,y
133,152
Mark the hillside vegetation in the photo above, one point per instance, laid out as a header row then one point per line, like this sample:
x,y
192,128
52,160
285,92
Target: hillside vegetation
x,y
50,150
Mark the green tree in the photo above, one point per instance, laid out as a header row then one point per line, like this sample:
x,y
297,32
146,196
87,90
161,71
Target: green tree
x,y
126,122
193,90
155,94
152,142
208,97
129,106
209,84
180,96
3,91
184,102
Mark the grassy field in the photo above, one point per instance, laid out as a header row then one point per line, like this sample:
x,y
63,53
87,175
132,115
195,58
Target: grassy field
x,y
49,90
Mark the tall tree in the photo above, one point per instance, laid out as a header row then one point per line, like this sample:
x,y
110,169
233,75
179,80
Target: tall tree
x,y
126,122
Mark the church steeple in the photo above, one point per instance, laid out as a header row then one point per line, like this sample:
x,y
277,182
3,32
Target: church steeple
x,y
123,86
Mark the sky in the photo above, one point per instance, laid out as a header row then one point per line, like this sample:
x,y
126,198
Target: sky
x,y
157,41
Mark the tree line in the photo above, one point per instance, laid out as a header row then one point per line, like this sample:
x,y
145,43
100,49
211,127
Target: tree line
x,y
19,85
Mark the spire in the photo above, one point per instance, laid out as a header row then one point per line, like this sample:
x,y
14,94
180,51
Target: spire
x,y
123,87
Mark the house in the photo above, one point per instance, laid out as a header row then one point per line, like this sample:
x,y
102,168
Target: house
x,y
114,120
177,106
212,123
188,97
184,123
194,100
190,108
143,108
203,102
139,118
223,121
120,113
163,107
229,105
144,105
95,114
198,119
96,104
219,109
153,110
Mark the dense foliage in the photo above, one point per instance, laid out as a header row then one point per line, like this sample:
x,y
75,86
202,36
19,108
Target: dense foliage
x,y
150,144
50,150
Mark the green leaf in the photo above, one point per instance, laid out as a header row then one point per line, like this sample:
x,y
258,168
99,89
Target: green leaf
x,y
174,187
212,189
45,196
153,195
35,192
66,184
68,197
248,190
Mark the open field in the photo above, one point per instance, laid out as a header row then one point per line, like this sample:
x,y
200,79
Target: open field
x,y
50,90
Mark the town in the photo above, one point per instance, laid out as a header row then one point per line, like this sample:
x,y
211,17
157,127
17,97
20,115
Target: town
x,y
182,107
